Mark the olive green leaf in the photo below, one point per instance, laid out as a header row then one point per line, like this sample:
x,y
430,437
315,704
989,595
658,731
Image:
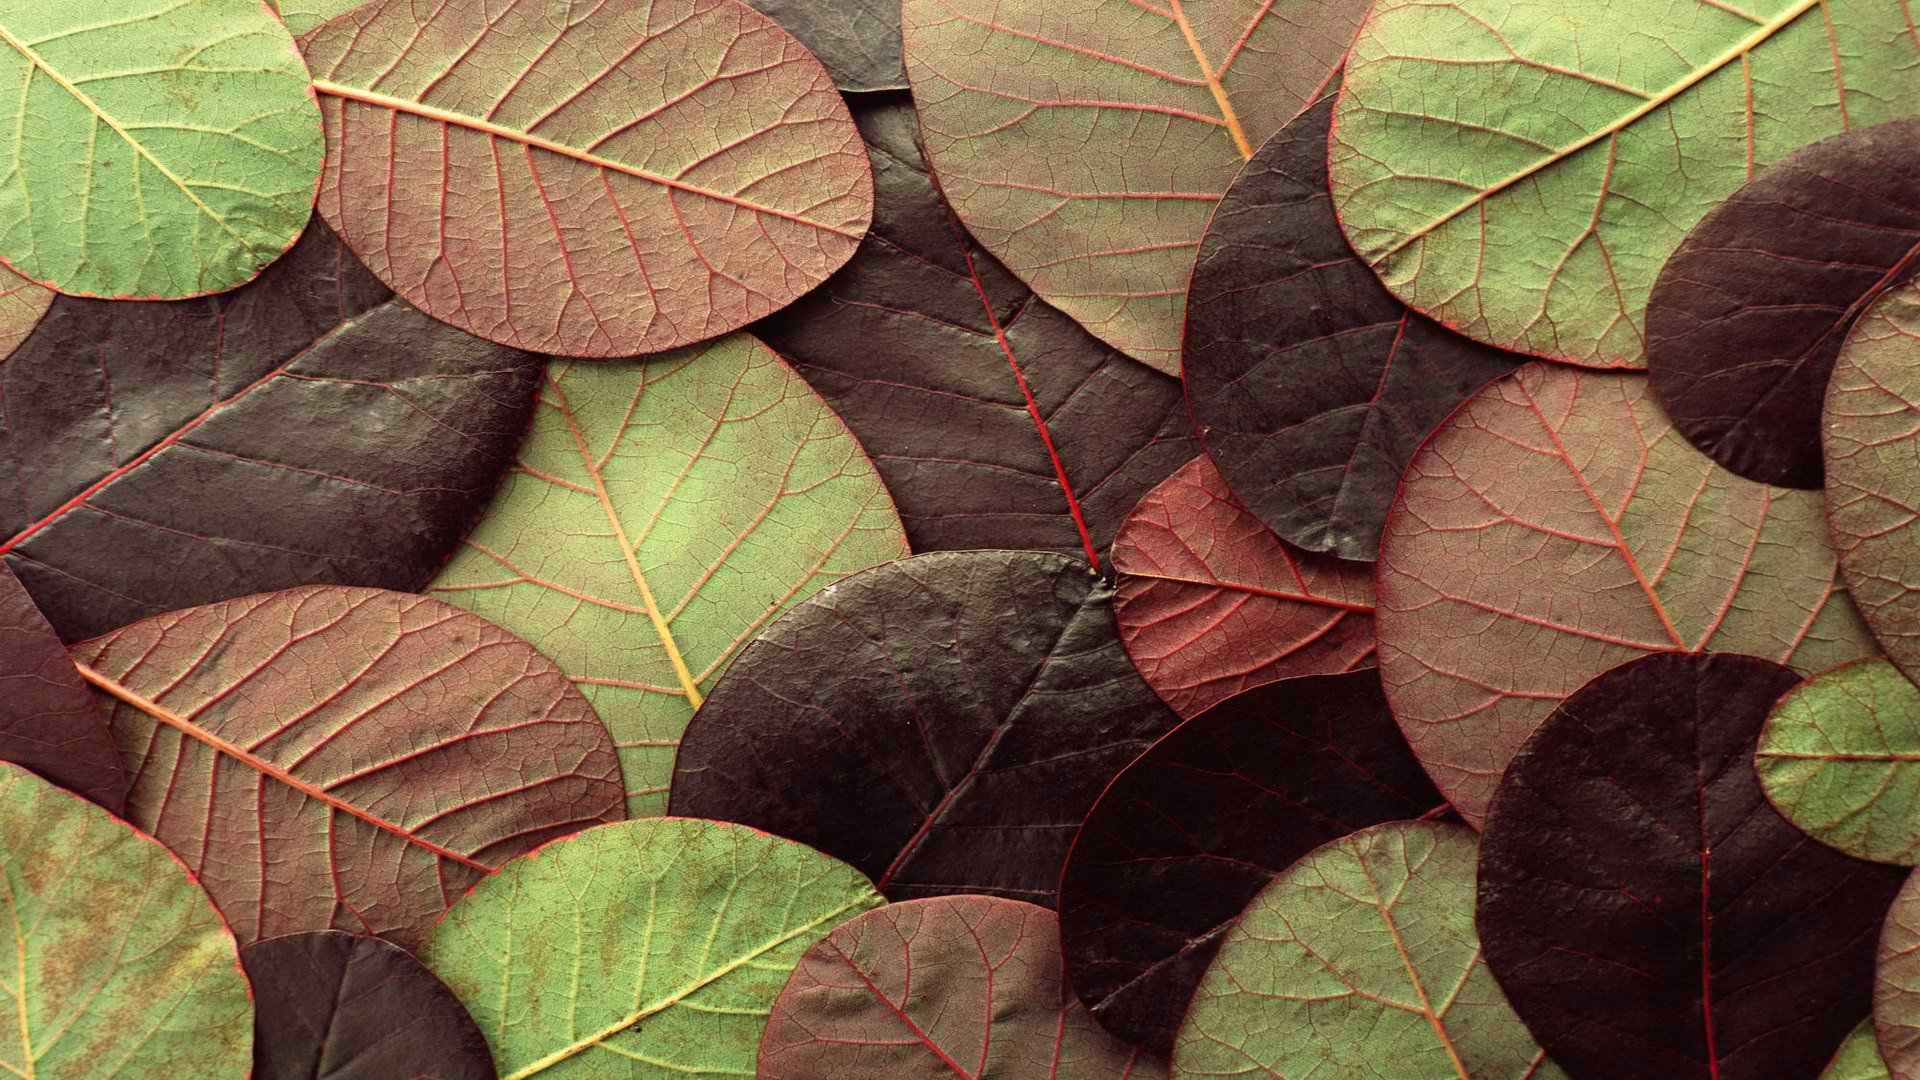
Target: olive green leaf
x,y
302,16
1361,959
643,949
155,148
120,965
21,305
1858,1058
1521,169
662,512
1840,758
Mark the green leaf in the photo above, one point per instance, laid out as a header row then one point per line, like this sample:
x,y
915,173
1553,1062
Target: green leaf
x,y
662,513
1858,1057
119,964
1521,169
1840,758
643,949
159,148
302,16
1361,960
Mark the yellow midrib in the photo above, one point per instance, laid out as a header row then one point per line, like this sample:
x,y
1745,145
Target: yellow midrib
x,y
1214,85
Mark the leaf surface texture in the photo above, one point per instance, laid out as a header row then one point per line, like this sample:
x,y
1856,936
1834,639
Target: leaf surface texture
x,y
1840,758
1858,1058
50,722
857,40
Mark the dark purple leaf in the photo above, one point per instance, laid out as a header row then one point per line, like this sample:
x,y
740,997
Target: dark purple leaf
x,y
49,721
858,40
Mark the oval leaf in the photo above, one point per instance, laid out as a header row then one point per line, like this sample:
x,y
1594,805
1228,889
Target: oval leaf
x,y
1858,1058
21,304
1556,527
334,1006
662,514
631,178
1521,169
1896,988
1360,960
1645,910
1840,758
120,963
999,1007
1188,833
309,428
1210,603
160,148
1310,383
943,723
50,722
857,40
1031,108
331,758
640,950
1872,428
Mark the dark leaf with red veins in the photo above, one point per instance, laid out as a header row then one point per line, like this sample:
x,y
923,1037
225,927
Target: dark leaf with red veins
x,y
966,987
996,421
49,721
335,1006
1312,384
1187,834
1643,906
1749,313
347,759
306,428
858,40
943,723
1210,603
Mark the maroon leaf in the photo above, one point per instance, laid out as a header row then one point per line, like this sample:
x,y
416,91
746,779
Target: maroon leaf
x,y
49,721
1187,834
995,420
858,40
334,1006
1555,527
957,986
306,428
333,758
1210,603
1312,385
942,723
1643,906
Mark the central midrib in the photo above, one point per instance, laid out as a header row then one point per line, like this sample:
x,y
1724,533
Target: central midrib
x,y
1240,140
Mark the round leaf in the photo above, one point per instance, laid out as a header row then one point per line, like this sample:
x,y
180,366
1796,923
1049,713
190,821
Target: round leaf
x,y
1858,1058
331,758
1840,758
1521,169
639,950
1896,988
662,514
159,148
635,176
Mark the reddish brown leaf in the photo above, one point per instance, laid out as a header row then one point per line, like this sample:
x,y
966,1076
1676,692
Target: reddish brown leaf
x,y
49,721
1210,603
1896,989
334,758
967,987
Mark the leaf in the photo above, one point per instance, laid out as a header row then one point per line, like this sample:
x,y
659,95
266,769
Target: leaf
x,y
21,305
305,16
1872,426
1896,982
660,943
1858,1058
50,723
1185,836
1360,960
160,148
325,431
1311,384
1555,527
857,40
1748,315
995,420
1210,603
1085,144
997,1008
1838,758
1645,910
661,515
120,966
332,758
626,177
334,1006
943,723
1520,169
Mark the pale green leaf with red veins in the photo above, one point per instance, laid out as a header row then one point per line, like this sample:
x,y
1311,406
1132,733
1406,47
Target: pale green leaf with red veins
x,y
640,951
1085,142
1840,758
156,148
305,16
1858,1058
21,305
1556,527
1871,437
1361,960
1209,602
603,179
1521,169
350,759
118,966
662,513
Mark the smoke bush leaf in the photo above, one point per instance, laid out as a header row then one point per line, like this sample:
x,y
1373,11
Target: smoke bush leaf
x,y
857,40
1858,1058
50,722
1840,758
21,304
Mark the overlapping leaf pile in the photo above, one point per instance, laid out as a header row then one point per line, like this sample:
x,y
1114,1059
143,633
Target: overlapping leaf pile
x,y
898,539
